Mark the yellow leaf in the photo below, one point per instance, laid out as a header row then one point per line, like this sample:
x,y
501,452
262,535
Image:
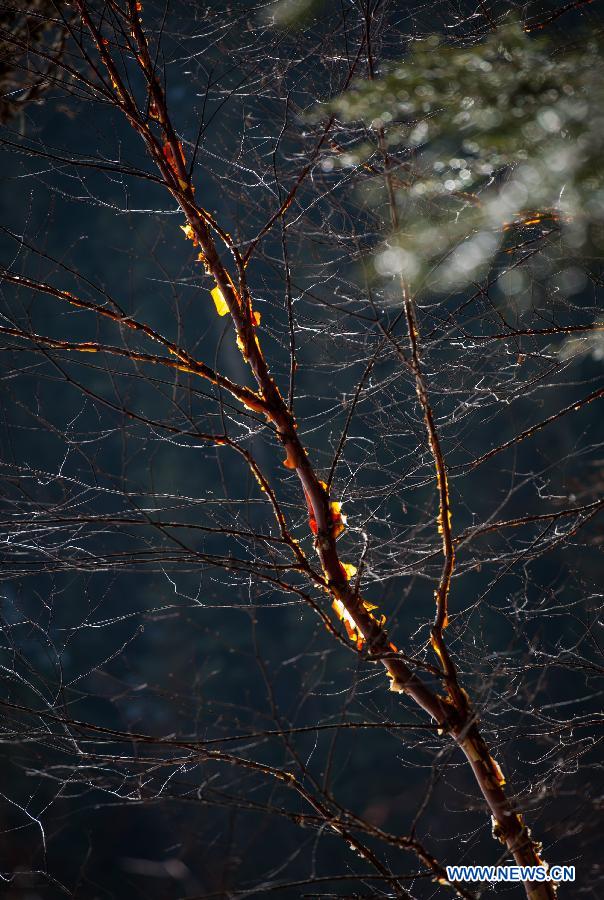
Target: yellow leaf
x,y
349,624
189,233
350,571
338,521
219,301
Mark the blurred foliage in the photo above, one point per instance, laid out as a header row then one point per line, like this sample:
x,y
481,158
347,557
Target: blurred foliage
x,y
38,26
477,142
574,348
286,13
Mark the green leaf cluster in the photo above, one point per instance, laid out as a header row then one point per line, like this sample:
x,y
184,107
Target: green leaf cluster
x,y
478,141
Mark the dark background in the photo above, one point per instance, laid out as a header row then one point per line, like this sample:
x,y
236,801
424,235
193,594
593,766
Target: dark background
x,y
120,626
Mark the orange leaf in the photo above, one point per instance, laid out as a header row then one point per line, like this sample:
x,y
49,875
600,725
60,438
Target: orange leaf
x,y
337,520
190,235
